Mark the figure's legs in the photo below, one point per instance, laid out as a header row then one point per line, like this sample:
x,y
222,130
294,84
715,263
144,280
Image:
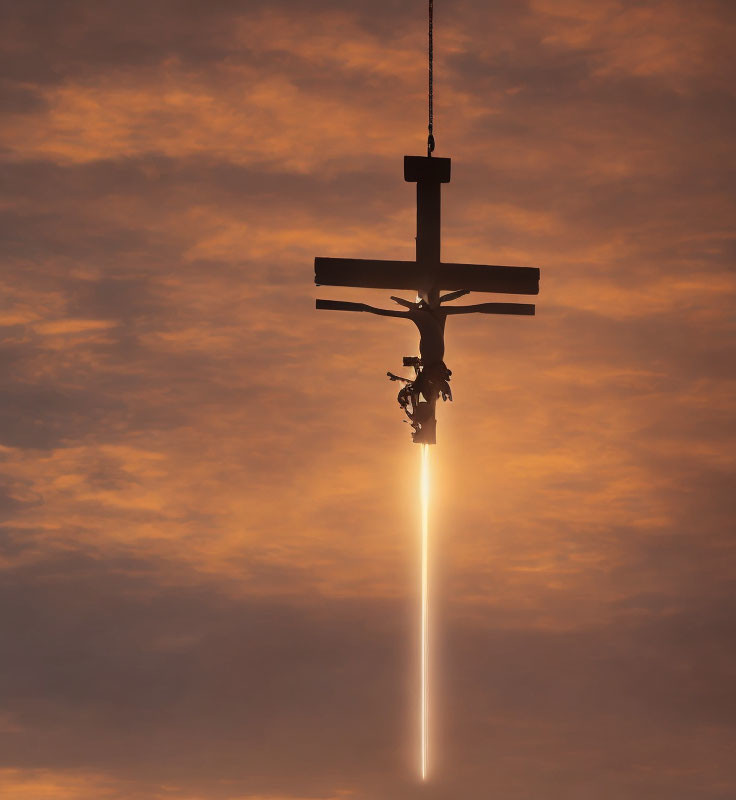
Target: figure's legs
x,y
418,397
425,423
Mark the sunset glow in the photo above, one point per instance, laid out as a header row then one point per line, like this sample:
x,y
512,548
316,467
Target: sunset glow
x,y
223,563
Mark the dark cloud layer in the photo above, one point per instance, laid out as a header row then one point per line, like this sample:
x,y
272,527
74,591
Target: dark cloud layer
x,y
176,683
207,546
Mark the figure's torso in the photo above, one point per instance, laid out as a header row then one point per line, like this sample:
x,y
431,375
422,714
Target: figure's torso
x,y
431,325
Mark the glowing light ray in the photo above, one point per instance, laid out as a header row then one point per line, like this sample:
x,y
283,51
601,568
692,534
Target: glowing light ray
x,y
424,495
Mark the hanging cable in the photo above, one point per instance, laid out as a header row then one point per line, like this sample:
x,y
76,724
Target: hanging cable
x,y
430,138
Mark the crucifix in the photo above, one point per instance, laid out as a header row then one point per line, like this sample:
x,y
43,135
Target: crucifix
x,y
428,275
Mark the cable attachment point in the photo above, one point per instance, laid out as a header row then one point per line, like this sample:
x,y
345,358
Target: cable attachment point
x,y
430,145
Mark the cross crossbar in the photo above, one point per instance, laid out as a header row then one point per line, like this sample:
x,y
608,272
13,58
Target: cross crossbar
x,y
371,274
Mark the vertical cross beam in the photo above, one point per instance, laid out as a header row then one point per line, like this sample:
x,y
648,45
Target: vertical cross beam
x,y
428,174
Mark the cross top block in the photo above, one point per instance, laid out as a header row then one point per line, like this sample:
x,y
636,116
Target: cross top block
x,y
426,168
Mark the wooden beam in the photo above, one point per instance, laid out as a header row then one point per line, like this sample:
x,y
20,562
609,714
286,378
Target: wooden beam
x,y
370,274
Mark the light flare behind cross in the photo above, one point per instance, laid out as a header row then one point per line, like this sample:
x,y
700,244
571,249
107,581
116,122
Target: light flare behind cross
x,y
424,682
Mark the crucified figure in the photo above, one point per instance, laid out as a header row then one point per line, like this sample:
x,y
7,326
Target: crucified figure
x,y
429,317
419,396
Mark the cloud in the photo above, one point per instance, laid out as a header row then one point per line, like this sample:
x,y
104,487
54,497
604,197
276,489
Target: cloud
x,y
208,495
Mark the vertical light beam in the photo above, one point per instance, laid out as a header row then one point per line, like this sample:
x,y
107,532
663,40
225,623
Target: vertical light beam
x,y
424,498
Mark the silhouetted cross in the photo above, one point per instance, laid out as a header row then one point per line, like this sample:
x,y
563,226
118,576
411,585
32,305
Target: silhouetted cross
x,y
427,275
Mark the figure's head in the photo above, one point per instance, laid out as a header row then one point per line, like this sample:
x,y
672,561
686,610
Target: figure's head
x,y
428,299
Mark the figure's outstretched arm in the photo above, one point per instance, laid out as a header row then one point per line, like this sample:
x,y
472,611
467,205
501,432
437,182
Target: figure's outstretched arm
x,y
524,309
385,312
342,305
405,303
445,298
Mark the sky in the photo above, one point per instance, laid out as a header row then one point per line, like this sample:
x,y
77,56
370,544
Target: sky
x,y
209,542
